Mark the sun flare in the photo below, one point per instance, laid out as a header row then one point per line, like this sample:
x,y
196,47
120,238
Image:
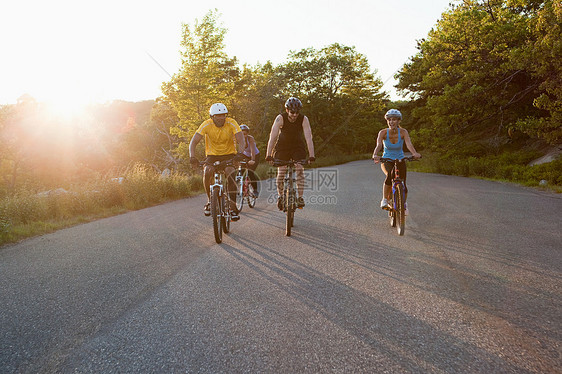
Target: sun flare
x,y
67,107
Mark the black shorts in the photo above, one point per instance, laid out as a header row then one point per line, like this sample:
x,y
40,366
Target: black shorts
x,y
213,158
290,154
389,166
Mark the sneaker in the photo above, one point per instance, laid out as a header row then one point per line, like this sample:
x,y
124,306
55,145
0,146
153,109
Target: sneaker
x,y
406,212
234,212
207,209
384,204
280,203
300,203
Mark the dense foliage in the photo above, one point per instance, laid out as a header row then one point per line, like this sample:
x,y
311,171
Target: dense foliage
x,y
340,93
486,71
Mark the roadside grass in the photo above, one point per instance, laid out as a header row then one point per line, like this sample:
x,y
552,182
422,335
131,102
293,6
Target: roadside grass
x,y
28,214
511,168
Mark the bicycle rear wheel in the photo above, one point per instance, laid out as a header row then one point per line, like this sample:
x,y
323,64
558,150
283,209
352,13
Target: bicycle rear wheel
x,y
251,196
216,213
400,214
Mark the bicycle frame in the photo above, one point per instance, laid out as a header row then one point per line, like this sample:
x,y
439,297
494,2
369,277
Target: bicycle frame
x,y
218,182
243,187
397,213
289,191
220,208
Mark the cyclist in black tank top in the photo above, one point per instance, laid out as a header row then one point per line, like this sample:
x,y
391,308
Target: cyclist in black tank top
x,y
289,139
290,143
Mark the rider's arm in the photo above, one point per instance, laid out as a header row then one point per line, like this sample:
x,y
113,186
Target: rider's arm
x,y
380,139
239,136
308,136
409,144
193,144
273,135
252,143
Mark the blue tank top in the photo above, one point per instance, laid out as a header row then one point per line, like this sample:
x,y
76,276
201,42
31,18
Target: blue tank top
x,y
391,150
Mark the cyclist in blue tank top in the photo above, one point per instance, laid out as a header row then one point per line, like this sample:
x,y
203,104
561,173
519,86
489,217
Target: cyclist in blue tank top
x,y
392,140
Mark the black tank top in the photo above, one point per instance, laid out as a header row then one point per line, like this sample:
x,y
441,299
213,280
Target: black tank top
x,y
291,135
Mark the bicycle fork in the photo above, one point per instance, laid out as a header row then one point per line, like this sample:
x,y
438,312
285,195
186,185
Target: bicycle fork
x,y
290,188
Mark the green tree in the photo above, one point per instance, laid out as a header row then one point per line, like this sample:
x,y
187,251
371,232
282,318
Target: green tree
x,y
341,94
256,99
207,75
480,72
542,57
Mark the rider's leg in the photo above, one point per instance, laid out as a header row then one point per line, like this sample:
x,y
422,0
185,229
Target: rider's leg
x,y
387,191
252,174
281,171
231,175
300,179
208,174
402,171
387,167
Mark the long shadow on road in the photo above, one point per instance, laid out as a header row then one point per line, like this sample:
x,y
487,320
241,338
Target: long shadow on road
x,y
403,338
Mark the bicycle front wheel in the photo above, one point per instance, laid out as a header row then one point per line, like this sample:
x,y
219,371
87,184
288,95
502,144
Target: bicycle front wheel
x,y
290,208
225,214
240,193
400,214
392,217
216,213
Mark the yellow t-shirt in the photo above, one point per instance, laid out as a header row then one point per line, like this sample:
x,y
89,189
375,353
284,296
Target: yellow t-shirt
x,y
219,140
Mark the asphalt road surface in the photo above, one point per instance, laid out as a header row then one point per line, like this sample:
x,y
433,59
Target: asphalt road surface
x,y
474,285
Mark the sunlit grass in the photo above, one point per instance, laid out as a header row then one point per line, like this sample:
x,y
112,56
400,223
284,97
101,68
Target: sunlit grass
x,y
28,214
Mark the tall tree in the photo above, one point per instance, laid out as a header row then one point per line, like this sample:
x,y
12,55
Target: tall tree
x,y
542,57
207,75
473,77
341,93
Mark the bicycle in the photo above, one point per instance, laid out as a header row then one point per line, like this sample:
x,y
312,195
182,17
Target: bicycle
x,y
396,207
289,195
244,188
220,202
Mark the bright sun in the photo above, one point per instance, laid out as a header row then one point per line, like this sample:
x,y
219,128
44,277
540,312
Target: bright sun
x,y
67,107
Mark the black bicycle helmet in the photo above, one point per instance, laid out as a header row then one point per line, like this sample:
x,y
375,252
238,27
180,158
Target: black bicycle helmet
x,y
293,104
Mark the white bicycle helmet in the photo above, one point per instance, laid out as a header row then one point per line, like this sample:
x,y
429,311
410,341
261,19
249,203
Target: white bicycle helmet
x,y
218,108
244,127
393,113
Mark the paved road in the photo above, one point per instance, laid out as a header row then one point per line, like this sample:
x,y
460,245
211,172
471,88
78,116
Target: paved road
x,y
474,286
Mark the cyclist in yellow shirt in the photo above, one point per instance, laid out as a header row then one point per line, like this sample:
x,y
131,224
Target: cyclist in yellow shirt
x,y
221,134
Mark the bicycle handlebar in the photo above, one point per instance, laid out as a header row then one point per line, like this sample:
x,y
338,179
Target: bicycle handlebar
x,y
218,164
278,162
409,158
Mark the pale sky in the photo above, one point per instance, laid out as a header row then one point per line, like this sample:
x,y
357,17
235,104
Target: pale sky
x,y
95,51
